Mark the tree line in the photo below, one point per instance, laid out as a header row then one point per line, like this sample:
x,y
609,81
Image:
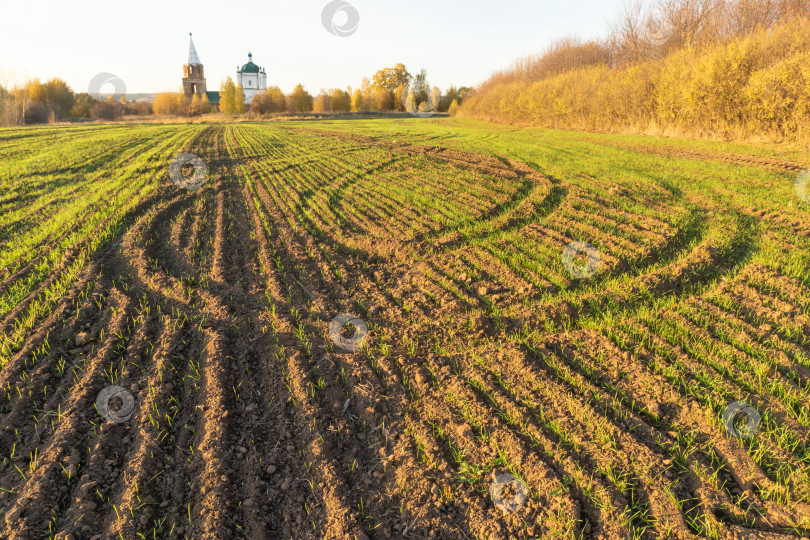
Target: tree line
x,y
696,67
390,89
40,102
650,30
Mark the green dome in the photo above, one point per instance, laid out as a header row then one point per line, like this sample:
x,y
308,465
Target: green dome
x,y
250,67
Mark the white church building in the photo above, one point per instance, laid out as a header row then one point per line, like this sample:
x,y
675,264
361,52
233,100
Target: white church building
x,y
252,78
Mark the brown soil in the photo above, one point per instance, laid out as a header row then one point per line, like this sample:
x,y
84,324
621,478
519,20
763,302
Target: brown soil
x,y
212,310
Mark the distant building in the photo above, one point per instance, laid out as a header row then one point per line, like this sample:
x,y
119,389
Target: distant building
x,y
252,78
194,77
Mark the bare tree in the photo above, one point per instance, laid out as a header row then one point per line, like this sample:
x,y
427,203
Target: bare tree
x,y
745,16
627,38
692,21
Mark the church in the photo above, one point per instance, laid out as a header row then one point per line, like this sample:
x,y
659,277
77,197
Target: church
x,y
252,78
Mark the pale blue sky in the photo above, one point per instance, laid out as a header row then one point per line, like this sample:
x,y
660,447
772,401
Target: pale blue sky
x,y
146,43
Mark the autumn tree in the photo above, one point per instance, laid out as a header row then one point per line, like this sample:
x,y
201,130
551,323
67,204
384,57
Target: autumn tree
x,y
227,97
194,107
420,87
385,99
399,98
449,97
368,94
277,100
271,100
14,108
257,104
205,104
59,96
741,17
105,110
410,100
435,99
339,100
3,98
391,83
42,102
321,103
420,96
301,100
239,100
358,104
168,103
36,91
143,108
391,78
196,104
81,106
692,21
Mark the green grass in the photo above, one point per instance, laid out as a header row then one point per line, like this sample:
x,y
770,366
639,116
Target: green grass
x,y
582,387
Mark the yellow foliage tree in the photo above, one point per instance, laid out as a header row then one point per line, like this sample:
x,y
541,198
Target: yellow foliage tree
x,y
358,104
321,103
301,99
168,104
206,104
339,100
239,100
227,96
196,105
756,84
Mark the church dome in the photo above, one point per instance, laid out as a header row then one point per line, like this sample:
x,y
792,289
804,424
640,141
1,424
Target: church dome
x,y
250,67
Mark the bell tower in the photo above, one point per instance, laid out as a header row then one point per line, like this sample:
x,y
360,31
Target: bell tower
x,y
193,73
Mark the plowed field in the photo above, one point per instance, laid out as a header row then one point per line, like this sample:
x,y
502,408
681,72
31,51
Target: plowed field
x,y
489,344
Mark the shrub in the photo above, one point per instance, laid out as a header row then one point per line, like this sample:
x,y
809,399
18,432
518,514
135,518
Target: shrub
x,y
755,84
168,103
105,110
